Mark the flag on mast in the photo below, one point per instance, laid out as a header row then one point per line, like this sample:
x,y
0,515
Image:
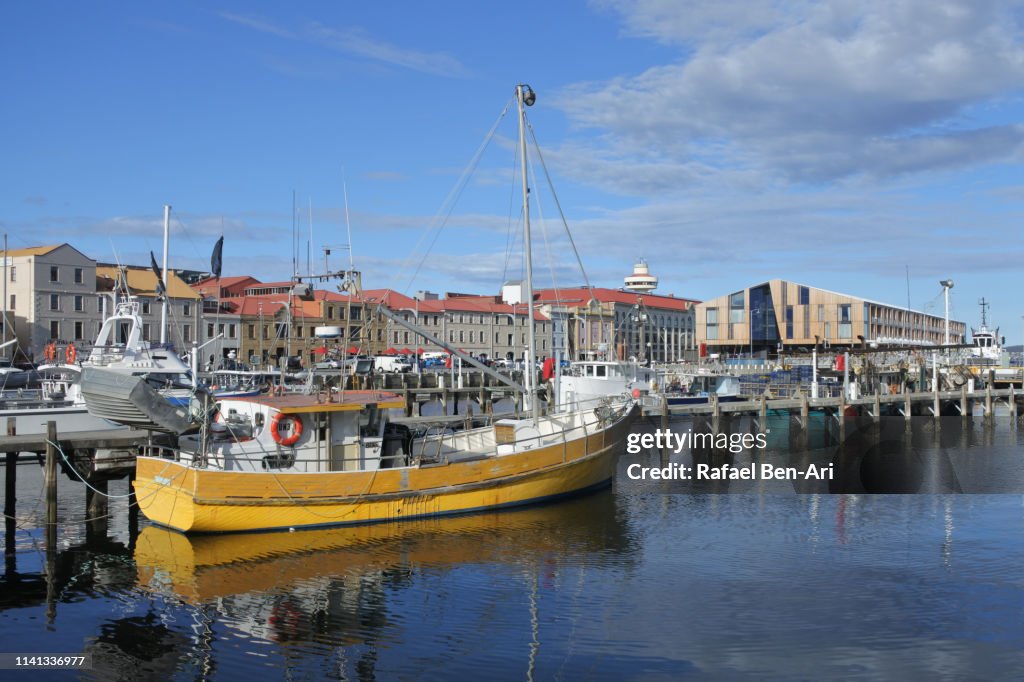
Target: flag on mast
x,y
215,259
160,290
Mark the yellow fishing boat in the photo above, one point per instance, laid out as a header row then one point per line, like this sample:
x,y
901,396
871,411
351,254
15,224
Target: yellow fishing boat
x,y
302,461
296,461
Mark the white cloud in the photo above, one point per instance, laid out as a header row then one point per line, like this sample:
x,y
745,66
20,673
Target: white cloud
x,y
812,92
354,41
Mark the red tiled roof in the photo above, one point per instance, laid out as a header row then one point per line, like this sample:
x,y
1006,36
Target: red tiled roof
x,y
580,296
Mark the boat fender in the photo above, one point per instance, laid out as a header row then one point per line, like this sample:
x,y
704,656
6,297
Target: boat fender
x,y
294,425
70,354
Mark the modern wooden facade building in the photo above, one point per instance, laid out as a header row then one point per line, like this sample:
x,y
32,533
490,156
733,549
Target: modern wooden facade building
x,y
779,315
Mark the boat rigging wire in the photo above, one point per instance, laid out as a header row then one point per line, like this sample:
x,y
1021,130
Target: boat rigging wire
x,y
440,218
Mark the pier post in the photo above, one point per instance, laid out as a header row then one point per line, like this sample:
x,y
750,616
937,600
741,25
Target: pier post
x,y
133,512
1012,400
964,413
988,399
665,455
483,397
50,474
716,415
10,491
50,483
805,424
907,406
763,415
96,508
935,403
878,406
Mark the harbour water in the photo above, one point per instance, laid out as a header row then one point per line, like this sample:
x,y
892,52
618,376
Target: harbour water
x,y
673,580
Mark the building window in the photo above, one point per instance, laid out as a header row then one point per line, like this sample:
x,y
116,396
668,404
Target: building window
x,y
54,273
209,330
711,319
13,271
298,331
509,340
472,337
54,329
79,275
462,336
231,331
396,336
12,302
803,295
145,307
145,332
101,304
789,322
736,308
252,331
79,330
330,312
79,305
186,333
186,309
54,302
821,312
357,314
845,326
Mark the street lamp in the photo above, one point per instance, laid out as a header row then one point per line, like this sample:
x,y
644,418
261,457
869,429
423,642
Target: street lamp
x,y
947,284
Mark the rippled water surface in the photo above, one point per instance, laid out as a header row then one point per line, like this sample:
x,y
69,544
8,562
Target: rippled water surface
x,y
629,583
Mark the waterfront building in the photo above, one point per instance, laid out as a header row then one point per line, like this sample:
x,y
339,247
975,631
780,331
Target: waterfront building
x,y
607,324
51,292
488,326
58,294
782,315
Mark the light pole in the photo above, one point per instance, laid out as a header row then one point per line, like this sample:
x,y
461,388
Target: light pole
x,y
947,284
751,331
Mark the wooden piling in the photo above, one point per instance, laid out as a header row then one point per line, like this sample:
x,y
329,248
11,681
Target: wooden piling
x,y
763,415
907,406
50,473
96,507
988,400
878,407
10,499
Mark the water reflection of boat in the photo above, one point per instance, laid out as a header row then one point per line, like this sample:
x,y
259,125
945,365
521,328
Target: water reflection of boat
x,y
340,585
201,568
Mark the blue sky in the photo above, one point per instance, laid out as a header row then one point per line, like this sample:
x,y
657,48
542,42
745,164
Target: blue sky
x,y
835,144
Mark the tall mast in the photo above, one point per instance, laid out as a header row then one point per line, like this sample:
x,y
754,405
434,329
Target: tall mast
x,y
163,308
4,308
525,97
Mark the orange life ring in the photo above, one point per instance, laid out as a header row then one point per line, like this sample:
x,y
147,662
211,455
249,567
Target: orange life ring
x,y
70,354
50,352
295,426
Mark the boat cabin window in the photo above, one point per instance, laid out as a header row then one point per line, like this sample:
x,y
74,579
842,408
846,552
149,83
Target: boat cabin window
x,y
600,370
369,421
588,370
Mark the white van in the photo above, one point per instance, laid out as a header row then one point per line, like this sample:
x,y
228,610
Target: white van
x,y
391,363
